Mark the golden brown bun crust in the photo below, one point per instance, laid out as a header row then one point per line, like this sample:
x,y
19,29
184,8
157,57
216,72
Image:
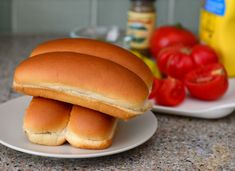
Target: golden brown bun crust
x,y
45,115
90,129
81,72
45,121
90,124
84,72
95,105
99,49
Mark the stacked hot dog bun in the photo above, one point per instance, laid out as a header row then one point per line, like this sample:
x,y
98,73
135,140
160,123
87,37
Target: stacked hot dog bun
x,y
45,121
90,129
83,80
99,49
98,80
50,122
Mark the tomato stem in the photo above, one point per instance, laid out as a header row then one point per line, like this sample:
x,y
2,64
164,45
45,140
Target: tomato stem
x,y
186,50
179,25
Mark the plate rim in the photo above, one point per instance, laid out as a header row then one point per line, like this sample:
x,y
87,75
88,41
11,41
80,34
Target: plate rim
x,y
79,156
198,113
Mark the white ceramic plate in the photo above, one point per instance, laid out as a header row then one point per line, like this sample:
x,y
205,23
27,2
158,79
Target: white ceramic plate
x,y
204,109
129,134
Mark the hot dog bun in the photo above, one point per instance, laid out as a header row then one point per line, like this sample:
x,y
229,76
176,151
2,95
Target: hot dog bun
x,y
90,129
50,122
84,80
45,121
99,49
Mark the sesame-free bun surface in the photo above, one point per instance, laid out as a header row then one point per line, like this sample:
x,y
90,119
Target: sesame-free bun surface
x,y
100,49
90,129
84,80
45,121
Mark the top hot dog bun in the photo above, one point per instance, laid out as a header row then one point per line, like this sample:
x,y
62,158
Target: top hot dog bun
x,y
99,49
83,80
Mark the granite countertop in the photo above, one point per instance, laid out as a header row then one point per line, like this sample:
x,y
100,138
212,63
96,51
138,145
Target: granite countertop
x,y
180,143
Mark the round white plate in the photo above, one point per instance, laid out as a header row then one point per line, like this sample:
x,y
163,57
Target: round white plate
x,y
129,134
204,109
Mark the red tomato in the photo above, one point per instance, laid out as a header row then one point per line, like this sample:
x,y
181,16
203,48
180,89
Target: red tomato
x,y
177,60
171,92
203,55
164,55
169,35
207,83
155,87
179,65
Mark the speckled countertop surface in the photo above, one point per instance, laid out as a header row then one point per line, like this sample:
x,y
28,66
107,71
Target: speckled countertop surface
x,y
180,143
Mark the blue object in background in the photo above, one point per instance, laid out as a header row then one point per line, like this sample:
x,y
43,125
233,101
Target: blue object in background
x,y
215,6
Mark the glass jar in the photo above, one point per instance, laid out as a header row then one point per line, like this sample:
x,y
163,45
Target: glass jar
x,y
141,24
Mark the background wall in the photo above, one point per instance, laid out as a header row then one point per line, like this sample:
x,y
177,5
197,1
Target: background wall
x,y
5,15
60,16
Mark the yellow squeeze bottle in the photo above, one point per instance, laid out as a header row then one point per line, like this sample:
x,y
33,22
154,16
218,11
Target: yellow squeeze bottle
x,y
217,29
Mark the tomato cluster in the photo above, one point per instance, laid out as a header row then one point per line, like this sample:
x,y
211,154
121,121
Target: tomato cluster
x,y
176,61
185,65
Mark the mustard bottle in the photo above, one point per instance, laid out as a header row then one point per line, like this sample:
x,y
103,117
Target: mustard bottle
x,y
217,29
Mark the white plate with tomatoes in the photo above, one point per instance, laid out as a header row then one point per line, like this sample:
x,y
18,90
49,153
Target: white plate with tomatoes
x,y
203,109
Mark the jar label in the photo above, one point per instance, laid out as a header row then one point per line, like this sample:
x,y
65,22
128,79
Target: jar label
x,y
215,6
140,27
